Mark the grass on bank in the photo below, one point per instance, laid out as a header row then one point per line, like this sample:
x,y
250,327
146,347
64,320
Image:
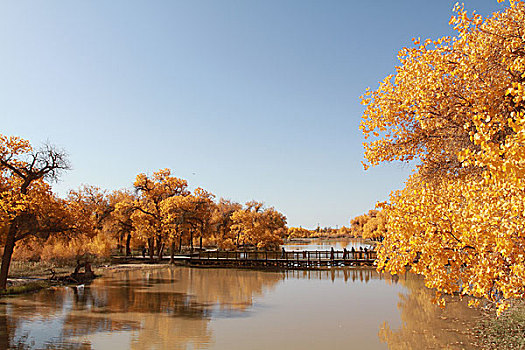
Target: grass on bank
x,y
505,332
22,269
25,288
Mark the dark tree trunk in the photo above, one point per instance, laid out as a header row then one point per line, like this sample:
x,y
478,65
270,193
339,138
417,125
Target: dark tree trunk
x,y
172,252
161,251
159,248
180,243
6,257
151,247
119,243
8,253
191,241
202,232
128,242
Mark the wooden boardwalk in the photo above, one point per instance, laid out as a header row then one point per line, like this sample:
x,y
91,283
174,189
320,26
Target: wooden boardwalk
x,y
306,259
283,259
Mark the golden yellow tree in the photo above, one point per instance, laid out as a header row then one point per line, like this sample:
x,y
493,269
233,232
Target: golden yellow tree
x,y
357,224
457,105
147,218
27,205
122,204
90,210
202,213
375,227
221,223
298,232
190,213
262,228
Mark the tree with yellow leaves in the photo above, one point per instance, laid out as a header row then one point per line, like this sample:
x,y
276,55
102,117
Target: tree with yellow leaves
x,y
148,218
90,211
298,232
122,205
457,105
221,223
27,205
190,213
371,225
262,228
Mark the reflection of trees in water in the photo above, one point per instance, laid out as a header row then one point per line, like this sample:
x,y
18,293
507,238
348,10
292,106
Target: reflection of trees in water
x,y
7,328
357,274
227,289
426,325
168,308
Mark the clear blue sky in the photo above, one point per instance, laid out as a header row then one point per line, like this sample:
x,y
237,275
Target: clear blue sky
x,y
248,99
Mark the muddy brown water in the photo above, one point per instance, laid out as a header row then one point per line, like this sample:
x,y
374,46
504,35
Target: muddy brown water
x,y
205,308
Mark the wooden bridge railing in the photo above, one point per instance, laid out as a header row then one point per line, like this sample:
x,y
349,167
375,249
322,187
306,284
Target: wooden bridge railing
x,y
305,255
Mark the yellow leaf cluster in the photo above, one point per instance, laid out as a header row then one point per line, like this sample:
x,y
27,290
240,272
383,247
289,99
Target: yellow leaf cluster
x,y
457,105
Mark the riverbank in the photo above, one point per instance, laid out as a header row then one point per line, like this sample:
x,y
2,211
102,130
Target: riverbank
x,y
506,332
27,277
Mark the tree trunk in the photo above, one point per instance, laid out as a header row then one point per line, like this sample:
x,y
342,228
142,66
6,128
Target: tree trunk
x,y
180,243
161,251
128,248
151,247
119,243
202,233
172,252
191,241
8,253
159,248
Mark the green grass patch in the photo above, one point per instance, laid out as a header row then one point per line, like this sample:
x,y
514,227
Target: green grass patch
x,y
25,288
506,331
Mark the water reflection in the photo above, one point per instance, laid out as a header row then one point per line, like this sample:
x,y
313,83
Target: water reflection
x,y
151,306
426,325
181,308
364,274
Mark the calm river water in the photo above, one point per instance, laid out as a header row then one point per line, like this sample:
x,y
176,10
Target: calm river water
x,y
192,308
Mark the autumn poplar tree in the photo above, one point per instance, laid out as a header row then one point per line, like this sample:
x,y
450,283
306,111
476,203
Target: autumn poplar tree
x,y
27,205
122,204
456,105
221,222
152,191
254,225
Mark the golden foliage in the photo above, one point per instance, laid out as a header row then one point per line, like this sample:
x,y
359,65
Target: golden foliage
x,y
263,228
298,232
457,105
90,222
371,225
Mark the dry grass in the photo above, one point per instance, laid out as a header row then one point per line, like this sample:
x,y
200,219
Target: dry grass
x,y
38,269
